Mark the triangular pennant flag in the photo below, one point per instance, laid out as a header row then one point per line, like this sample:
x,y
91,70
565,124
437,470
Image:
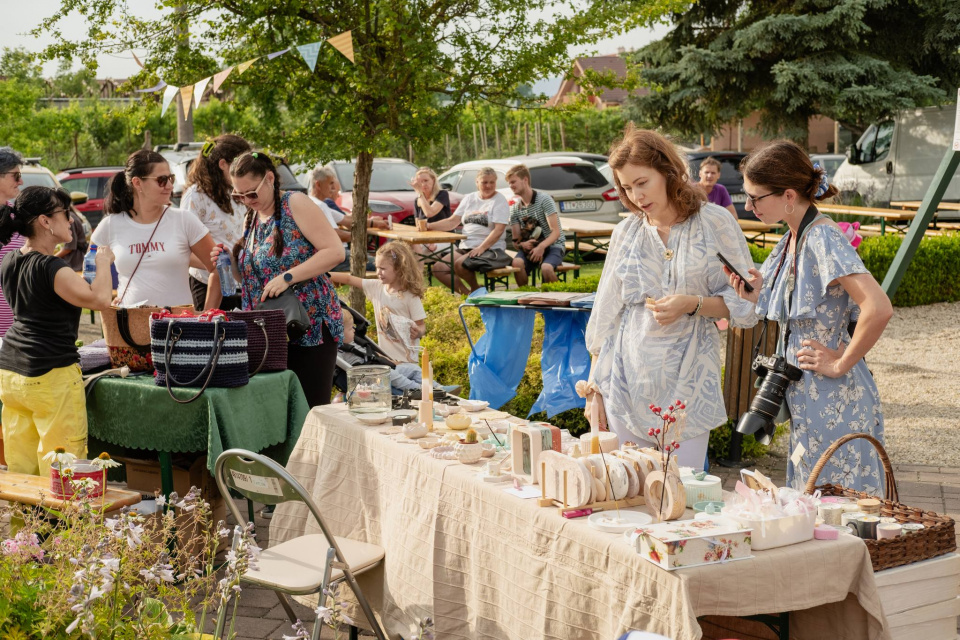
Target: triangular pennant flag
x,y
198,90
154,88
310,53
243,66
137,59
186,96
218,78
344,44
276,54
168,93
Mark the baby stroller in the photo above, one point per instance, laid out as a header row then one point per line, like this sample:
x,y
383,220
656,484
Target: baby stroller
x,y
362,346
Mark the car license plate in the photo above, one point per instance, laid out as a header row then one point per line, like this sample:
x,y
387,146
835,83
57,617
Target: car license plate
x,y
738,197
578,205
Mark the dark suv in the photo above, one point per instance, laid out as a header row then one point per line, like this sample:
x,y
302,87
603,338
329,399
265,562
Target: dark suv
x,y
729,176
91,181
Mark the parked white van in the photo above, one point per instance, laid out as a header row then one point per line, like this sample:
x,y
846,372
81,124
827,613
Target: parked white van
x,y
896,159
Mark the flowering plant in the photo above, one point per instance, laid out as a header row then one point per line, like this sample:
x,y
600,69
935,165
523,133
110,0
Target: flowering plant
x,y
673,419
85,574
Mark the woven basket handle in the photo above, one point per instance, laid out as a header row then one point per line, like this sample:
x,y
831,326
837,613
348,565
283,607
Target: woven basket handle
x,y
889,481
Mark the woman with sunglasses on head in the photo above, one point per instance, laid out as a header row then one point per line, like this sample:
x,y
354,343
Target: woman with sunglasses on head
x,y
815,282
208,194
153,242
287,243
41,386
10,182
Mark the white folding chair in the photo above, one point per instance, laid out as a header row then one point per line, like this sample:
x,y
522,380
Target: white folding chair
x,y
304,565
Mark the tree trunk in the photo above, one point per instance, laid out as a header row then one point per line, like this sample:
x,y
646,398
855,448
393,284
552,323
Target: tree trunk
x,y
358,237
476,150
526,139
496,136
563,137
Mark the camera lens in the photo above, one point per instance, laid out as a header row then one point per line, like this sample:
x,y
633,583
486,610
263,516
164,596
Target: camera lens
x,y
765,407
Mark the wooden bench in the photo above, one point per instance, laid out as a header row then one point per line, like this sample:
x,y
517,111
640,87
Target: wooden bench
x,y
499,276
35,490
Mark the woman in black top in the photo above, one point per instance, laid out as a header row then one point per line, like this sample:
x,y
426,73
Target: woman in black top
x,y
433,203
40,382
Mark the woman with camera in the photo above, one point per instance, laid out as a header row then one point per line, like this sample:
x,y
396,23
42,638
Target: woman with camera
x,y
813,284
652,330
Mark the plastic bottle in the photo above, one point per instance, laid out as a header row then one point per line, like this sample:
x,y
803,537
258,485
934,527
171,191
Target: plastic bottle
x,y
90,264
228,286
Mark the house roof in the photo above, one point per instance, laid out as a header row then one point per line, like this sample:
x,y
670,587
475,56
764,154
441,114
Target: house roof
x,y
601,64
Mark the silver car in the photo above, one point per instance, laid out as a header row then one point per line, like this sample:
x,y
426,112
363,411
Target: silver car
x,y
579,190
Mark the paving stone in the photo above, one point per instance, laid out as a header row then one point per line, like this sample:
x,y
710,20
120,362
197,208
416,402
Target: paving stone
x,y
950,471
918,490
916,467
938,478
304,613
259,628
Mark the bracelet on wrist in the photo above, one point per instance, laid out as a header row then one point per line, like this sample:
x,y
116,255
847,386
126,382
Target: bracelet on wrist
x,y
699,305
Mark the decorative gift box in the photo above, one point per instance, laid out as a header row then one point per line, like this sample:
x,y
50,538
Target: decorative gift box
x,y
691,543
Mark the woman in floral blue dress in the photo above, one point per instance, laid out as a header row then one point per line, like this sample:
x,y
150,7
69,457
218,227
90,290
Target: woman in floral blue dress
x,y
819,288
286,243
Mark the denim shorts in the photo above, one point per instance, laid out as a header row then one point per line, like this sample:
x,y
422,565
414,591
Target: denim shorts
x,y
552,256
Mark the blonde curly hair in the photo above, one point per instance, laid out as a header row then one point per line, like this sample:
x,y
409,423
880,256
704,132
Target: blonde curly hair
x,y
407,266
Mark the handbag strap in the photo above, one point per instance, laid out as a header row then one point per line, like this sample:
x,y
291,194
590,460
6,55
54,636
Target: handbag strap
x,y
260,322
209,369
123,325
145,250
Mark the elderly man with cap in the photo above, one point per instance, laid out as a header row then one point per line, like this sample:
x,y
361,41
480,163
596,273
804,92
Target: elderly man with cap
x,y
323,191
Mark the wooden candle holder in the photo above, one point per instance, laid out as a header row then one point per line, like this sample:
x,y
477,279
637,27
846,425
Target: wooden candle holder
x,y
563,505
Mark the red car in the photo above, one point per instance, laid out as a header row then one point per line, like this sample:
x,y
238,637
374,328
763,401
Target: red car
x,y
93,182
390,190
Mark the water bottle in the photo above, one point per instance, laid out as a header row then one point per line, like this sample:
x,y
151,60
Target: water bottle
x,y
90,264
228,286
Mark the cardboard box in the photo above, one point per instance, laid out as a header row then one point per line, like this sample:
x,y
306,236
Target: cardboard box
x,y
144,476
690,543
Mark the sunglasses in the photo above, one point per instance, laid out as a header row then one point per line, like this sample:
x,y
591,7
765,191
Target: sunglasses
x,y
252,196
16,175
754,200
161,180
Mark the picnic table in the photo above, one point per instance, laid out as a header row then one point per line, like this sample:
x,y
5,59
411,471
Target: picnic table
x,y
757,228
886,215
412,236
35,490
596,235
943,206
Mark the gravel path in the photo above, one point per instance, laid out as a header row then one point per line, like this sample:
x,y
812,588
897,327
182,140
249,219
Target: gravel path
x,y
916,365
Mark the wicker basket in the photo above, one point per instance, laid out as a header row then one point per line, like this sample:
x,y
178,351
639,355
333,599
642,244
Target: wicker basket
x,y
935,539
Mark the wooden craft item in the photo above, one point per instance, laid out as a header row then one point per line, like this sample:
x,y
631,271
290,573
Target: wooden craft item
x,y
554,466
618,481
633,480
526,444
601,489
674,498
609,442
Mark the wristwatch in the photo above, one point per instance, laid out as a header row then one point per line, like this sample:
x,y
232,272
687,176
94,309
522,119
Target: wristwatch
x,y
288,277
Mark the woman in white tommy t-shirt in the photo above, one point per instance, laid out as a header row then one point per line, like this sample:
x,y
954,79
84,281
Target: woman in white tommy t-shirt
x,y
152,241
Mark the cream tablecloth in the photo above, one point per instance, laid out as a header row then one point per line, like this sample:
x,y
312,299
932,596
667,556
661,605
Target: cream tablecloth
x,y
485,564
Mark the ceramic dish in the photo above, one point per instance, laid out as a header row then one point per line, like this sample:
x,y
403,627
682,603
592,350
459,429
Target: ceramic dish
x,y
474,405
611,522
445,452
701,507
458,421
429,442
373,418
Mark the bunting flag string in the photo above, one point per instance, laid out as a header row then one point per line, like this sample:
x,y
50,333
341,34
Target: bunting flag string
x,y
192,94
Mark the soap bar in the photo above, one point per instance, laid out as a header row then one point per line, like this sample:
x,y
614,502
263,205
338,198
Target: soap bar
x,y
826,532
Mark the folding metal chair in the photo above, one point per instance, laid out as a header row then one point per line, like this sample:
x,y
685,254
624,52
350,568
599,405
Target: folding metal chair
x,y
304,565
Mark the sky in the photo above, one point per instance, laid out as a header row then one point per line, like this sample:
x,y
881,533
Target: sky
x,y
20,17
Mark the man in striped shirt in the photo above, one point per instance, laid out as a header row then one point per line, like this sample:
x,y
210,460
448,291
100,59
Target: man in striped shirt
x,y
535,225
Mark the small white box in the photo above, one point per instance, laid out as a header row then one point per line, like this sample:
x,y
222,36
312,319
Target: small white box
x,y
779,532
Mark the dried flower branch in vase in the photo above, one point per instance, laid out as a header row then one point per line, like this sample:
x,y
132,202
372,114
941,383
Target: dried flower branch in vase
x,y
669,423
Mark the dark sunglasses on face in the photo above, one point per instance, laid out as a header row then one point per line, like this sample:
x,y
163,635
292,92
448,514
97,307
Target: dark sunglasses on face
x,y
16,175
162,180
252,196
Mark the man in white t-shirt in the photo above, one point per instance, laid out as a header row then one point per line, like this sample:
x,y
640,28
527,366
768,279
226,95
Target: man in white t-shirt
x,y
484,214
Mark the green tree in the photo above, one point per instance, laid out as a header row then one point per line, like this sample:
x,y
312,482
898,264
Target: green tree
x,y
855,61
417,65
19,64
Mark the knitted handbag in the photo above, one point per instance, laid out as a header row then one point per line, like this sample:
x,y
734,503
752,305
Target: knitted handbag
x,y
201,351
266,338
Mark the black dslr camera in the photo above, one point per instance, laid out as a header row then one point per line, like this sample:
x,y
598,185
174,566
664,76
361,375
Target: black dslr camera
x,y
777,374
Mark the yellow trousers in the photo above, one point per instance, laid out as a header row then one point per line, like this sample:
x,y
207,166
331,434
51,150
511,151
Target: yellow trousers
x,y
40,414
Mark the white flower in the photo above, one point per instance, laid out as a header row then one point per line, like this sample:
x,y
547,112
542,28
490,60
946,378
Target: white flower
x,y
61,457
102,462
161,500
325,614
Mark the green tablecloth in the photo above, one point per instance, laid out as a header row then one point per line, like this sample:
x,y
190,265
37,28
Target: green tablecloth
x,y
265,415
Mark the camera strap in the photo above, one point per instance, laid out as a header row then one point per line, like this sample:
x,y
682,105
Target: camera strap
x,y
786,301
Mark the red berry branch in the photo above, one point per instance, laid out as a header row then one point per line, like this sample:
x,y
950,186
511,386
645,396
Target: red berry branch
x,y
659,435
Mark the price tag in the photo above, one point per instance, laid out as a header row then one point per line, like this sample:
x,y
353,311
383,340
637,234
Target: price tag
x,y
257,484
797,456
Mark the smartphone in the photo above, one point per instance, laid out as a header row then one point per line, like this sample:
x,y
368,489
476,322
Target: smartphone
x,y
746,285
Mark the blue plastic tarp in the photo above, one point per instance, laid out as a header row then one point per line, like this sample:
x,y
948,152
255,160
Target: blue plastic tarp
x,y
564,361
499,357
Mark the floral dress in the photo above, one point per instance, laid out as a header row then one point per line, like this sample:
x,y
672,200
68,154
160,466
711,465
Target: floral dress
x,y
823,409
258,266
638,362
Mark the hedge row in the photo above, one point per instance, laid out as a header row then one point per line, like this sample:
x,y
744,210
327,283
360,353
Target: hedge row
x,y
933,275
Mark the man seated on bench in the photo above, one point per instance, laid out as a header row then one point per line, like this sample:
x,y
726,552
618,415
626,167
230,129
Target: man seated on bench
x,y
484,214
535,225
